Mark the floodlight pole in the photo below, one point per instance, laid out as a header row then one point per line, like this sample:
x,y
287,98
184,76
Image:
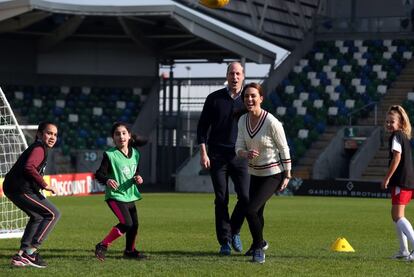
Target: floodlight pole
x,y
188,106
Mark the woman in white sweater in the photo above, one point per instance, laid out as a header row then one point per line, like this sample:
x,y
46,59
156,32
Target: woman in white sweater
x,y
261,139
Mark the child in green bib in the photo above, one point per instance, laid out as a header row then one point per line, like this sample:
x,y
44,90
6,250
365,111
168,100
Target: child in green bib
x,y
119,173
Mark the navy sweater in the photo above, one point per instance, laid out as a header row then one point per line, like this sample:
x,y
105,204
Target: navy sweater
x,y
217,126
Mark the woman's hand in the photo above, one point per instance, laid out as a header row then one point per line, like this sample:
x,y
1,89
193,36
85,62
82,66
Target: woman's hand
x,y
138,179
112,184
284,184
251,154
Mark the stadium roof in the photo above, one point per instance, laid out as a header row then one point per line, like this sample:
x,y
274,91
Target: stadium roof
x,y
281,22
162,28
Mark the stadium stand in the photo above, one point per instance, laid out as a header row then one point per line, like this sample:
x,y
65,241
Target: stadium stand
x,y
335,79
84,114
401,93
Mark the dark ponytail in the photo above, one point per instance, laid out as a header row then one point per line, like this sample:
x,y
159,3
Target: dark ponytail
x,y
135,141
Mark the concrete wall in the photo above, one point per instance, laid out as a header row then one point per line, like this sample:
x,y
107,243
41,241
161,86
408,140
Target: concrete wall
x,y
332,162
189,180
93,58
20,58
367,8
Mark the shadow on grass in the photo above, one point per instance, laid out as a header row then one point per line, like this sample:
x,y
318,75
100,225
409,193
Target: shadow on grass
x,y
82,253
170,254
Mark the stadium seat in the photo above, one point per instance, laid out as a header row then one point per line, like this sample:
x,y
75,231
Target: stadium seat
x,y
281,111
303,133
407,55
301,110
410,96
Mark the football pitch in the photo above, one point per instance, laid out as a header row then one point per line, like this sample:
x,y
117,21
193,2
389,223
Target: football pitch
x,y
177,233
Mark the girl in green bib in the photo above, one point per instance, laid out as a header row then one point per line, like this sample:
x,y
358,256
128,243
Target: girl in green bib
x,y
119,173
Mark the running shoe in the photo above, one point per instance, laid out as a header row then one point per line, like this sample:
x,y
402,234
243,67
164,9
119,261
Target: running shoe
x,y
401,255
18,260
100,251
225,249
236,243
134,255
250,252
34,259
259,256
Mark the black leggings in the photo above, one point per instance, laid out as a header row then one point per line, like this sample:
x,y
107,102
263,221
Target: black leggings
x,y
127,214
262,189
43,216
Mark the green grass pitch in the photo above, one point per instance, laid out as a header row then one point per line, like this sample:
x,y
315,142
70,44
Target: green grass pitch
x,y
177,232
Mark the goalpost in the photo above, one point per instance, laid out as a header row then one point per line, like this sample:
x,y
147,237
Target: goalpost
x,y
12,144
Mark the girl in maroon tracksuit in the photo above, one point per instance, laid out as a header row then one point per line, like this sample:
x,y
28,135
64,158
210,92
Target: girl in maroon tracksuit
x,y
22,185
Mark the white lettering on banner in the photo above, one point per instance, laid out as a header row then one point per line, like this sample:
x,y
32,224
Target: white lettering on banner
x,y
75,184
69,187
327,192
93,185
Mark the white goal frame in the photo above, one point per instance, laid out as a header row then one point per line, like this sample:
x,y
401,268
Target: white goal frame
x,y
12,219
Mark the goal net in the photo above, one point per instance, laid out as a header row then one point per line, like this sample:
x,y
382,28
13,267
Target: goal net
x,y
12,144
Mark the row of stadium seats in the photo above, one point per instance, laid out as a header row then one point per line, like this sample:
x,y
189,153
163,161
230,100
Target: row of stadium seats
x,y
333,80
84,115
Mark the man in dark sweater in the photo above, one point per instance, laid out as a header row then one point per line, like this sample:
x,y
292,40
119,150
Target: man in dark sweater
x,y
217,128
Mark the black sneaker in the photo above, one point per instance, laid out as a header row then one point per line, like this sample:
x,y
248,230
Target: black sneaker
x,y
34,260
250,252
100,251
134,255
18,260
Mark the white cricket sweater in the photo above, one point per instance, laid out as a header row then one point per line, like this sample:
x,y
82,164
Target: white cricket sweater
x,y
269,139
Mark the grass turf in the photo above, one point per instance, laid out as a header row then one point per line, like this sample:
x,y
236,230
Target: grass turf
x,y
177,232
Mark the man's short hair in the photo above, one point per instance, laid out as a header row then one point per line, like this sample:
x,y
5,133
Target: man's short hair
x,y
230,64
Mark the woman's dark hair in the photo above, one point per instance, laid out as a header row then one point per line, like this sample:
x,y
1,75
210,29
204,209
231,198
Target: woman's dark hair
x,y
253,85
238,113
42,126
135,141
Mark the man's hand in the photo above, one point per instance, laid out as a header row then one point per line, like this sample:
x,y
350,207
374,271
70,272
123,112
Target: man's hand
x,y
205,161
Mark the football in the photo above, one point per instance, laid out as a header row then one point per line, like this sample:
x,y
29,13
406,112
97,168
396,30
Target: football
x,y
214,4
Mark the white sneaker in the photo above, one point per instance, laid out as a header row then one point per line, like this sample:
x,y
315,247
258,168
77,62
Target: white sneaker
x,y
266,245
410,257
402,255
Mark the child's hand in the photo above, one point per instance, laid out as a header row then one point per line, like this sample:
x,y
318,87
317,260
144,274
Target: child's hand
x,y
384,184
138,179
112,184
50,189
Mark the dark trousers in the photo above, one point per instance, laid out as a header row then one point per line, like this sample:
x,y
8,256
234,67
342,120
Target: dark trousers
x,y
261,190
127,214
220,171
43,216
